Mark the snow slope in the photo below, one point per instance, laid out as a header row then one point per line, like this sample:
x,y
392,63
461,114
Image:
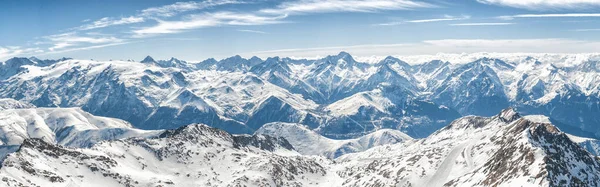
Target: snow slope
x,y
503,150
7,103
194,155
65,126
308,142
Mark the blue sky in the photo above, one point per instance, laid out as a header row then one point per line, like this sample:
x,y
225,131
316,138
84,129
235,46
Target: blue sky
x,y
196,30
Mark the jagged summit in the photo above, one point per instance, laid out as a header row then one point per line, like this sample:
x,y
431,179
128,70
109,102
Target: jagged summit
x,y
509,115
148,59
343,54
35,59
342,59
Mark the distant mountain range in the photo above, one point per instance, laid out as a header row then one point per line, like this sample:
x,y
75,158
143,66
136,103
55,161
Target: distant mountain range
x,y
335,96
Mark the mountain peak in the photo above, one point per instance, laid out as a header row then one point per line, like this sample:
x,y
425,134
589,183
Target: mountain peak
x,y
236,57
509,115
35,59
255,58
343,53
343,59
494,62
148,59
391,58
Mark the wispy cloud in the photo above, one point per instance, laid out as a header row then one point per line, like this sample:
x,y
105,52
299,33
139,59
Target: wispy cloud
x,y
180,39
429,47
585,30
152,12
444,18
328,48
65,40
481,24
207,20
312,52
106,22
545,4
252,31
324,6
568,15
11,51
85,48
179,7
507,43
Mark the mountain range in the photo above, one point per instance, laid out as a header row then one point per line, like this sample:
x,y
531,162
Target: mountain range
x,y
335,96
506,149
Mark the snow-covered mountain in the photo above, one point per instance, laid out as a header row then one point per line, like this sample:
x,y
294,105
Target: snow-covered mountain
x,y
194,155
70,127
308,142
6,104
235,94
336,96
503,150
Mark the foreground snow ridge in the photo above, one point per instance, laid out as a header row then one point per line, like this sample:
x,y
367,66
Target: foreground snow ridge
x,y
502,150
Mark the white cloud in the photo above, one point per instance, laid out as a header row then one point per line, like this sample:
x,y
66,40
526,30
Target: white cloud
x,y
359,50
391,23
106,22
179,7
568,15
206,20
585,30
61,41
323,6
85,48
13,51
445,18
60,45
252,31
550,45
161,11
429,47
544,4
481,24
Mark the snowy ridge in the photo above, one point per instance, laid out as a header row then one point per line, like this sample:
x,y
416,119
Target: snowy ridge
x,y
505,150
64,126
308,142
502,150
195,155
7,103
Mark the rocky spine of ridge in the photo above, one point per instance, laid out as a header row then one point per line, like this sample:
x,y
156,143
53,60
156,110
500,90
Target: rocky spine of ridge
x,y
195,155
538,150
503,150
